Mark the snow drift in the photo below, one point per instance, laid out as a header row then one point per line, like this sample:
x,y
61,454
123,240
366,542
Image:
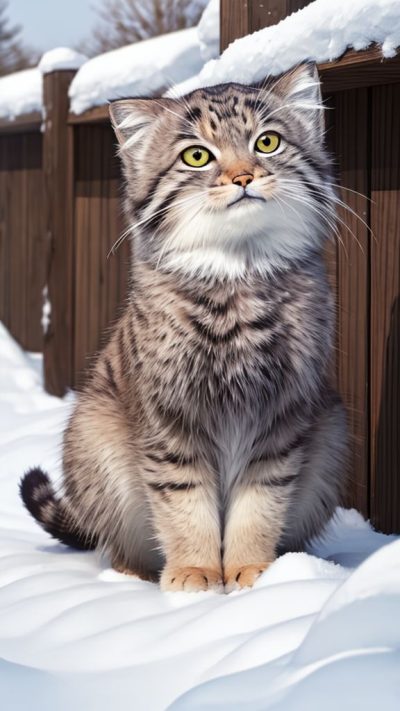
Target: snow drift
x,y
143,68
322,31
20,93
319,630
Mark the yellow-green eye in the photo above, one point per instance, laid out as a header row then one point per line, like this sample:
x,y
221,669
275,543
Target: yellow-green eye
x,y
197,156
268,142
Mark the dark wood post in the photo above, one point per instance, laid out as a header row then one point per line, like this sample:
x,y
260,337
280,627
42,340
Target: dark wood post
x,y
242,17
57,162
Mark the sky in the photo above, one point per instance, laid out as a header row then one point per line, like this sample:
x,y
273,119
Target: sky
x,y
53,23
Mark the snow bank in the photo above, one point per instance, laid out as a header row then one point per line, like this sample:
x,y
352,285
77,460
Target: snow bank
x,y
208,31
20,93
61,58
321,32
142,68
319,630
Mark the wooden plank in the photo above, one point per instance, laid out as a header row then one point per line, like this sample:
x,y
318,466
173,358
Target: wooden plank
x,y
270,12
36,240
351,149
101,279
359,69
385,309
331,248
22,259
234,21
22,124
58,153
242,17
99,114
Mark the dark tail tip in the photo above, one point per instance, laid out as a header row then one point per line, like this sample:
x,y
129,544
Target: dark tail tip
x,y
36,490
50,511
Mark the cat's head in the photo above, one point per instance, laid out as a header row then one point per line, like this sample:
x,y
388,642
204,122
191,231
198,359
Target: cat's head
x,y
227,176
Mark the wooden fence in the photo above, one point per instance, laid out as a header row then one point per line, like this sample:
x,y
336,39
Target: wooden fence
x,y
60,213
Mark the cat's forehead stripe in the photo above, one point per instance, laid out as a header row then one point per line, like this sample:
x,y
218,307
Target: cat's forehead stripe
x,y
230,115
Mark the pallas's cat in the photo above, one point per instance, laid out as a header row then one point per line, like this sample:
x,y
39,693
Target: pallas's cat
x,y
208,438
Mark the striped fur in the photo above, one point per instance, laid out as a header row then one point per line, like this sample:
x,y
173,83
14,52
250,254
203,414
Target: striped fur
x,y
208,437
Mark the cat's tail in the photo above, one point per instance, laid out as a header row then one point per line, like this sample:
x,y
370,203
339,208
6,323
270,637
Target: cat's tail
x,y
51,512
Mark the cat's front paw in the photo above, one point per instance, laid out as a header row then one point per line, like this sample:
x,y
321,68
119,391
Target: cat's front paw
x,y
236,578
191,579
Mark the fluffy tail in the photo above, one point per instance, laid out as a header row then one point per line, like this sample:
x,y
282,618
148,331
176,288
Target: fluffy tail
x,y
39,497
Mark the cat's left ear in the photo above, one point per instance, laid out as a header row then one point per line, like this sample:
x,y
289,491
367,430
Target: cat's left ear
x,y
133,118
301,87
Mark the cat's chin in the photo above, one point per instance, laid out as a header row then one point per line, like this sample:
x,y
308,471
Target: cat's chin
x,y
247,201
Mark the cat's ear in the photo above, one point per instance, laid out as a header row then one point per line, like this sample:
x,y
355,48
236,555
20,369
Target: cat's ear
x,y
301,88
132,118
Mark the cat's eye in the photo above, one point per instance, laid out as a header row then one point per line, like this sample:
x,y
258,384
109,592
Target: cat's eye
x,y
268,142
197,156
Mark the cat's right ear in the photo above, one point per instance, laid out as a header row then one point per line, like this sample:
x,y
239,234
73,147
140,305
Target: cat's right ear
x,y
132,118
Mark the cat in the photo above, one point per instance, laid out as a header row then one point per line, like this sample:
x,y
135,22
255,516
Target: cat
x,y
208,438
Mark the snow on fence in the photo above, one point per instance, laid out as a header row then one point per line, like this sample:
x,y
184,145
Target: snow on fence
x,y
60,213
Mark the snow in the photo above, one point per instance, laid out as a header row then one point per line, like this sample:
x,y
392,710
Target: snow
x,y
320,630
61,58
208,31
143,68
321,32
20,93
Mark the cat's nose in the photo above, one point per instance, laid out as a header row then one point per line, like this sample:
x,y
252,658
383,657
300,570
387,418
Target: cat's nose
x,y
244,179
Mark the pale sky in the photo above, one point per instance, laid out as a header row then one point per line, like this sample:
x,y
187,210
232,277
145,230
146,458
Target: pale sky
x,y
53,23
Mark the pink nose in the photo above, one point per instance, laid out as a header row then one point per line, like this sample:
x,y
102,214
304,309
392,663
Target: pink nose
x,y
243,180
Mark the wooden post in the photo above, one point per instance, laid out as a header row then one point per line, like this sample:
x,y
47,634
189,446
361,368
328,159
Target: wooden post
x,y
57,162
242,17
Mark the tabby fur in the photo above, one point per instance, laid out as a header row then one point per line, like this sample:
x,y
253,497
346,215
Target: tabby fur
x,y
208,438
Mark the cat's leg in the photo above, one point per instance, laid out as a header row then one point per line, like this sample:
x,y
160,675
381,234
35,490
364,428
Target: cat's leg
x,y
256,517
184,503
279,504
322,479
103,483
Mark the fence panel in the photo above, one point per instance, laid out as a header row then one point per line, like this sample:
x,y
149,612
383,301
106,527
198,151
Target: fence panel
x,y
22,236
350,144
385,309
100,275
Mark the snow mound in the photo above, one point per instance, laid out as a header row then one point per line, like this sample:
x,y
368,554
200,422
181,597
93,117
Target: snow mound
x,y
320,630
321,32
20,93
208,31
143,68
61,58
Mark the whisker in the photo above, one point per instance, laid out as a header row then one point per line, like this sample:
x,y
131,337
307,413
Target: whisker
x,y
136,225
342,204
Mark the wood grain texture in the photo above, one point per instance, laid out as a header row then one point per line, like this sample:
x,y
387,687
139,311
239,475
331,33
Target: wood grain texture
x,y
242,17
101,277
359,69
270,12
99,114
22,237
234,21
385,309
25,123
57,157
350,144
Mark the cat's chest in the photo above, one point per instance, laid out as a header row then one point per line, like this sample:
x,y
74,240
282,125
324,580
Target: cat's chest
x,y
219,356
